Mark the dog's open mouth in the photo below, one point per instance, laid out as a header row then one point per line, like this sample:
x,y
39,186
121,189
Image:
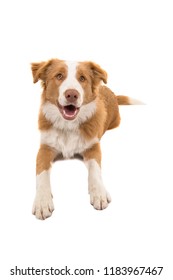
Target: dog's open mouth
x,y
69,112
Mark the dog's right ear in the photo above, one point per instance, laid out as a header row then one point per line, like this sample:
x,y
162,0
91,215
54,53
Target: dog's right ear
x,y
40,70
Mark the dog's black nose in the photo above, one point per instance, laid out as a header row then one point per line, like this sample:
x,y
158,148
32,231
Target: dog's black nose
x,y
71,95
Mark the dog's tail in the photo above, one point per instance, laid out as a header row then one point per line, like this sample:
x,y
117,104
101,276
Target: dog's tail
x,y
125,100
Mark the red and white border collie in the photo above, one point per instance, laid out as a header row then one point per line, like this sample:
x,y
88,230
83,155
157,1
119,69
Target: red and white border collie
x,y
75,112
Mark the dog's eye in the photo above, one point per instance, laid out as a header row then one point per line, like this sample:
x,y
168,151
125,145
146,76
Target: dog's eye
x,y
82,78
59,76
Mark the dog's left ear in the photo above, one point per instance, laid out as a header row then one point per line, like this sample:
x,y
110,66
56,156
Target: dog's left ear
x,y
97,72
39,70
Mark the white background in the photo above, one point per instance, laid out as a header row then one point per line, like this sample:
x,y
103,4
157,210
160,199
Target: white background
x,y
133,42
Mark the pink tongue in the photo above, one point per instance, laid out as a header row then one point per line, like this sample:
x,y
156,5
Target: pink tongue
x,y
69,111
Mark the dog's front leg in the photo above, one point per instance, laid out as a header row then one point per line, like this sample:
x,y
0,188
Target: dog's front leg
x,y
43,203
99,197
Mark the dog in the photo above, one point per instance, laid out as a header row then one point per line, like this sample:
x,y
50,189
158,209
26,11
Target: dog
x,y
76,110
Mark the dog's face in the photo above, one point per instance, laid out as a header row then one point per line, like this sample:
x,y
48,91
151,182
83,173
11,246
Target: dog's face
x,y
69,85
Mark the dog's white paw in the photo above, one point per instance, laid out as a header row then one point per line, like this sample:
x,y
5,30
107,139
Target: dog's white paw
x,y
99,197
43,205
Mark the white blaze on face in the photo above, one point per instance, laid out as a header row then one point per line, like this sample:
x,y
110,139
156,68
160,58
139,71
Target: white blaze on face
x,y
71,82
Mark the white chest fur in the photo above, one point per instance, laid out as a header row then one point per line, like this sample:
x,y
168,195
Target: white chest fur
x,y
67,142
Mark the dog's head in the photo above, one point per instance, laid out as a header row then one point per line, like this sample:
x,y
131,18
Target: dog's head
x,y
69,85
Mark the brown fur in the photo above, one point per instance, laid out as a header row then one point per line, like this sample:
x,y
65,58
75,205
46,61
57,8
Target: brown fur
x,y
123,100
48,155
102,119
93,153
68,129
43,123
107,113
